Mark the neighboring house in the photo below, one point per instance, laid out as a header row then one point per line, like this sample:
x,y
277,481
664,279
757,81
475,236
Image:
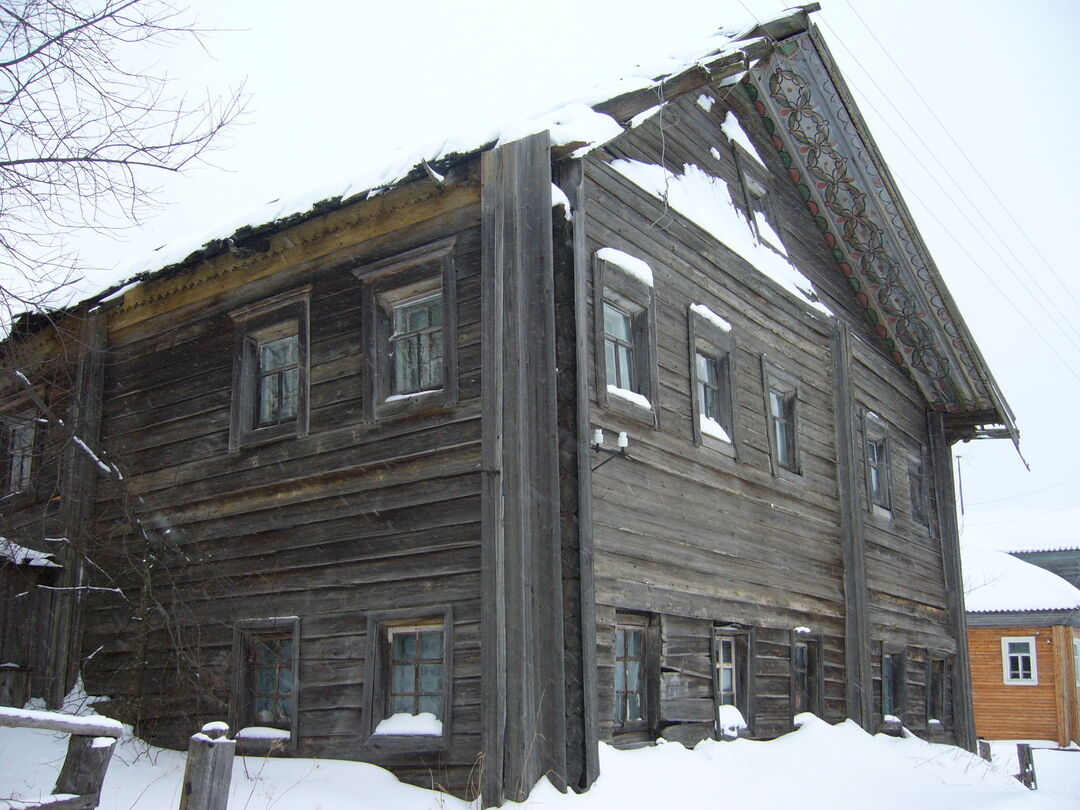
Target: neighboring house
x,y
636,426
1024,644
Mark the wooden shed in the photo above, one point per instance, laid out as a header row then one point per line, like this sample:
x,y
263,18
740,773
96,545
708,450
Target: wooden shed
x,y
642,428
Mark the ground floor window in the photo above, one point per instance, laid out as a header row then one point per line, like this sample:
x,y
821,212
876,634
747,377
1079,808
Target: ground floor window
x,y
731,658
806,674
631,694
266,653
892,685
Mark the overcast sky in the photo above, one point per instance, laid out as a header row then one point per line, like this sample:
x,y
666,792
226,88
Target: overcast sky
x,y
972,103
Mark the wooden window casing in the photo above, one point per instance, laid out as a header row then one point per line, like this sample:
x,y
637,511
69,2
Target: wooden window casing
x,y
807,674
876,464
1019,661
266,675
939,690
918,489
713,382
409,304
618,293
732,666
636,675
893,683
21,436
781,395
271,370
388,686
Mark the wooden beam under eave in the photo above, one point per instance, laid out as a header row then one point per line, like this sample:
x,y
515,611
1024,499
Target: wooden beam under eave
x,y
305,242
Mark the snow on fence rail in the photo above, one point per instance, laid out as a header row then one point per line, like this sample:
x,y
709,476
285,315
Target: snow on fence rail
x,y
90,747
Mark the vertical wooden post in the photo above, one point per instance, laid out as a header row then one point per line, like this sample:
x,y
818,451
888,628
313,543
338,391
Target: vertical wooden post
x,y
984,749
208,774
84,767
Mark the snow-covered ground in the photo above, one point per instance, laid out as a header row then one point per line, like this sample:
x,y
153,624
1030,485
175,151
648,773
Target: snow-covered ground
x,y
816,767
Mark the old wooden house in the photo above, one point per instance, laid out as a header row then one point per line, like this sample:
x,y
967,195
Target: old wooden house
x,y
563,439
1024,644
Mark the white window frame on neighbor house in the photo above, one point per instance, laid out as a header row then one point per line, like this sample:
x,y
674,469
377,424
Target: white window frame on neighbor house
x,y
1031,655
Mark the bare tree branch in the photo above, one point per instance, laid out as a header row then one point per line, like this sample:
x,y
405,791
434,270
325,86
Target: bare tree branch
x,y
82,131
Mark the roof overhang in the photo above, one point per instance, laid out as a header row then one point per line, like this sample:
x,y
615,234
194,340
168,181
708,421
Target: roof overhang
x,y
844,182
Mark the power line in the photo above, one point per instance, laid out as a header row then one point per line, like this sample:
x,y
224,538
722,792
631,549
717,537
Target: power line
x,y
1040,303
1025,494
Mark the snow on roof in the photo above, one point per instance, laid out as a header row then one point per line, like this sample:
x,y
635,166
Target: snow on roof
x,y
996,582
575,124
12,552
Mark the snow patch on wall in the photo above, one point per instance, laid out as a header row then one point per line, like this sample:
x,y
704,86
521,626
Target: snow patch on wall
x,y
736,133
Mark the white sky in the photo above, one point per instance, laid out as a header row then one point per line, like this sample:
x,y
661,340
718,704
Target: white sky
x,y
974,90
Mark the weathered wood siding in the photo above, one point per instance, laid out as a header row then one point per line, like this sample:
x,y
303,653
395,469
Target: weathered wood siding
x,y
354,517
699,537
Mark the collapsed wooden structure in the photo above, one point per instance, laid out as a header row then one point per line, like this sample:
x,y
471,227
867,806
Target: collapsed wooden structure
x,y
338,477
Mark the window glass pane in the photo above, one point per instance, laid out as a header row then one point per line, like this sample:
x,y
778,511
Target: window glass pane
x,y
404,678
616,323
727,651
431,703
1016,647
626,379
430,677
401,703
727,679
620,643
431,644
611,369
634,644
633,706
405,646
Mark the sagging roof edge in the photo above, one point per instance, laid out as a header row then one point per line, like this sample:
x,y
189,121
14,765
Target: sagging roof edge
x,y
970,425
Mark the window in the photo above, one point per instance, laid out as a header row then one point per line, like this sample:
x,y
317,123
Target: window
x,y
408,679
1018,660
758,201
410,330
270,370
731,653
619,357
630,694
938,691
892,685
266,653
1076,661
876,460
781,415
712,358
806,674
918,490
416,344
624,327
20,453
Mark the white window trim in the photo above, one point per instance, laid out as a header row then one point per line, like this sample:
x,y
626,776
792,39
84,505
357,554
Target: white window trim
x,y
1034,679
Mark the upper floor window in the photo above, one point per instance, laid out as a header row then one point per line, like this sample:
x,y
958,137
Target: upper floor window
x,y
416,344
410,330
918,489
624,328
712,360
1018,660
619,352
781,413
270,369
20,453
877,462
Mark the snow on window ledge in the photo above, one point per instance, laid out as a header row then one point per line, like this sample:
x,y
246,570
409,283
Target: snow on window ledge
x,y
706,313
413,395
424,724
710,427
629,396
729,721
264,733
631,265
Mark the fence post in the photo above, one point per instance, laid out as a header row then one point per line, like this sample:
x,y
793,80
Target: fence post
x,y
1027,766
208,774
83,771
984,749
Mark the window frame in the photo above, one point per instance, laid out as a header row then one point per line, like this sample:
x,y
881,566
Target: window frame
x,y
245,631
277,317
19,422
380,625
815,674
897,658
1033,653
742,639
780,381
392,282
648,626
720,346
919,488
612,284
875,434
755,181
939,689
